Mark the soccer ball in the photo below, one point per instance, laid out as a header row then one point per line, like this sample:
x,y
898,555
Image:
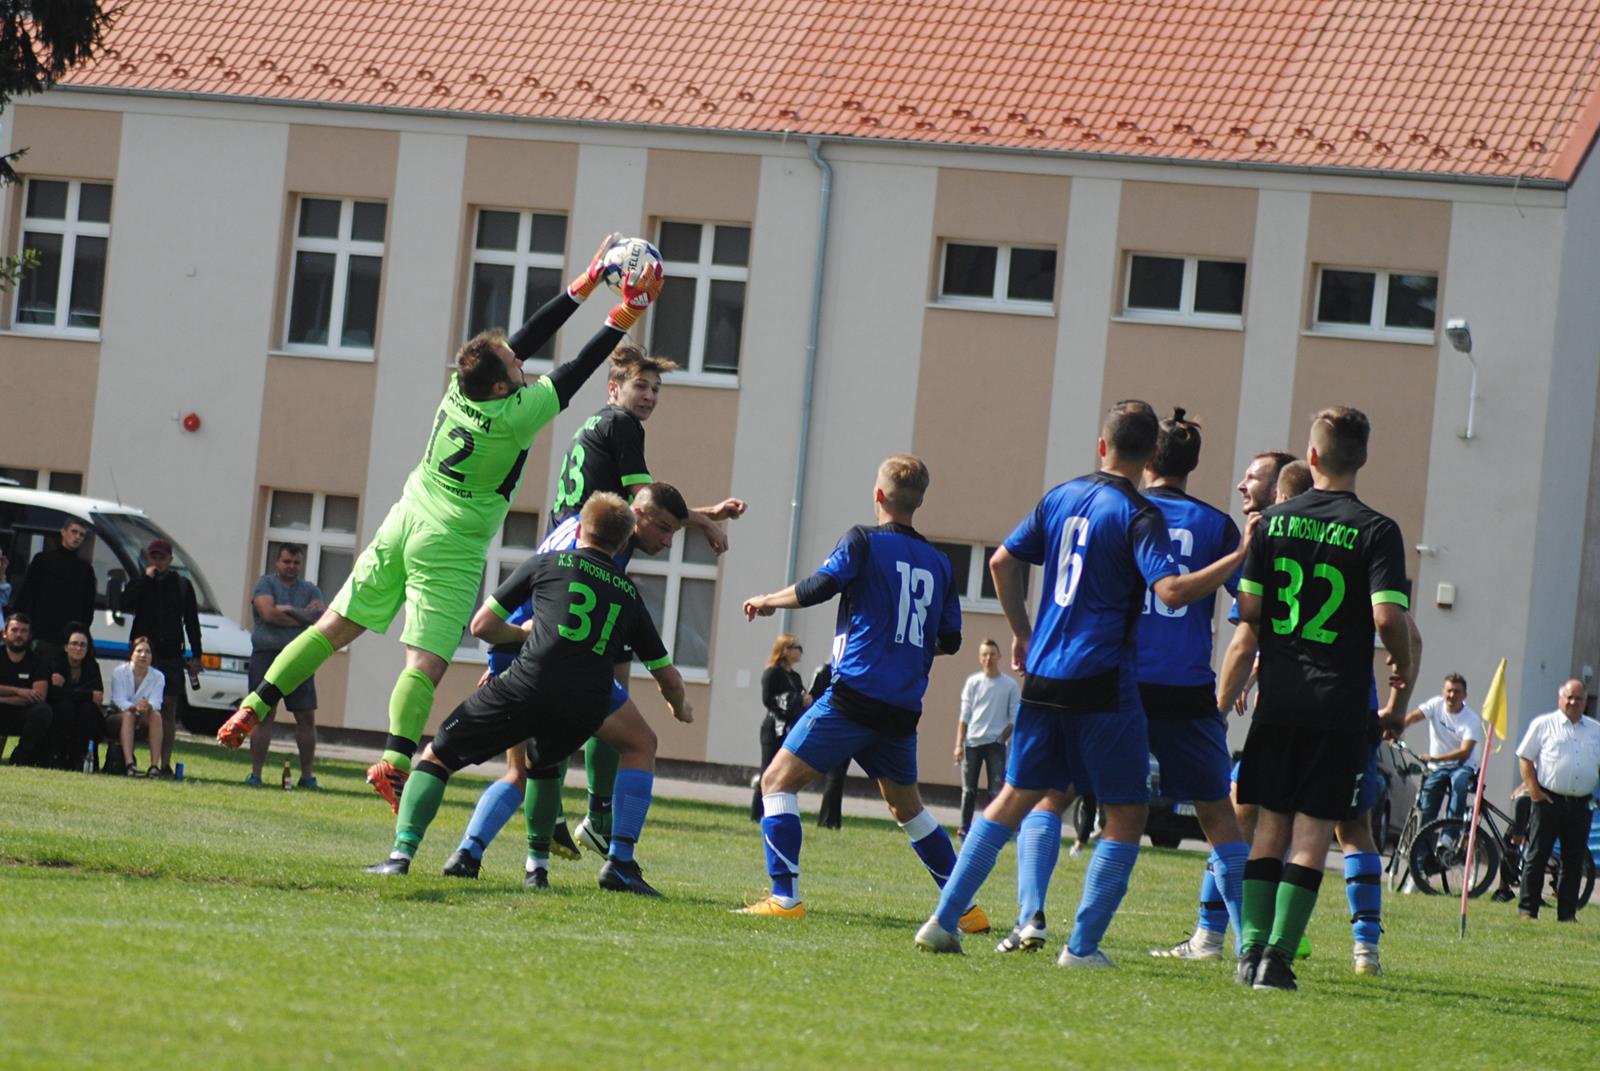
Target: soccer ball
x,y
631,256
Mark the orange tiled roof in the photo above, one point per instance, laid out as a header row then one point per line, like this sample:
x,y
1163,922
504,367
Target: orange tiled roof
x,y
1471,88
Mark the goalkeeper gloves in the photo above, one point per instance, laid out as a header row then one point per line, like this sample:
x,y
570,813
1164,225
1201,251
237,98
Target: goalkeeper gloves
x,y
583,285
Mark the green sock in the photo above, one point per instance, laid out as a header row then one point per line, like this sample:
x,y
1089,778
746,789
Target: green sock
x,y
541,805
293,667
418,805
600,762
1297,898
409,705
1260,901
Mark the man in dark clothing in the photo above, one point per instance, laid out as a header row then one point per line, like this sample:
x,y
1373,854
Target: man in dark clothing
x,y
58,589
24,683
163,606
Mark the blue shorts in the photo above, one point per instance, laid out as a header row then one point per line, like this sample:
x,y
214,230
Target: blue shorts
x,y
1367,788
1106,756
1193,754
824,738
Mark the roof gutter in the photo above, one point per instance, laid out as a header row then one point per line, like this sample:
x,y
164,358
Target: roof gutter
x,y
1507,181
808,390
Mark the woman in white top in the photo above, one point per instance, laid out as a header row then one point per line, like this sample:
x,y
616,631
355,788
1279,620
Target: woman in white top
x,y
137,689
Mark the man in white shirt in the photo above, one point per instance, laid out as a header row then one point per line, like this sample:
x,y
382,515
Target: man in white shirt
x,y
1560,761
989,702
1451,759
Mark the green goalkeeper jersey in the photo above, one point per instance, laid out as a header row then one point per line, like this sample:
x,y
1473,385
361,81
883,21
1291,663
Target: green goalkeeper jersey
x,y
473,464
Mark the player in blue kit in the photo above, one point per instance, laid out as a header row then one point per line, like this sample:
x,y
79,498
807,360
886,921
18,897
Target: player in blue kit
x,y
1101,544
1188,737
897,610
658,511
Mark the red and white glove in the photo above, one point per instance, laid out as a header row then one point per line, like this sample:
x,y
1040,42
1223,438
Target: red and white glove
x,y
638,291
585,282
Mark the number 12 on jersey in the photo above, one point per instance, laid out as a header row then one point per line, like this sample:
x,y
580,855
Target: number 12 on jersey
x,y
916,593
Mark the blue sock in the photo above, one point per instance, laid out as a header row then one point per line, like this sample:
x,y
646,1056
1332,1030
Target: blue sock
x,y
630,802
1227,861
780,831
1104,884
1213,908
495,807
978,854
1038,848
932,845
1363,887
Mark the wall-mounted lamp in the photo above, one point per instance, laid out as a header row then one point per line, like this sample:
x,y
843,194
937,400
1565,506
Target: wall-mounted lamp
x,y
1459,332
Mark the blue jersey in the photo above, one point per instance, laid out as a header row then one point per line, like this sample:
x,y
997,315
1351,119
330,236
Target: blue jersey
x,y
897,607
563,536
1101,544
1175,645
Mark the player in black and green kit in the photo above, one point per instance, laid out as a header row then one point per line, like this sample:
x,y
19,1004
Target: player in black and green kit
x,y
1322,574
607,454
557,693
428,554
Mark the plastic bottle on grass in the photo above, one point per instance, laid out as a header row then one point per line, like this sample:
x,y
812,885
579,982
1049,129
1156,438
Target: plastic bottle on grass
x,y
288,778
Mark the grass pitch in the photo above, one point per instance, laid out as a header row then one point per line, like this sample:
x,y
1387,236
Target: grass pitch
x,y
206,924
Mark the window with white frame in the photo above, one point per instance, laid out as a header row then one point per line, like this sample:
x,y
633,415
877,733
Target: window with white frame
x,y
1175,289
517,538
324,524
66,224
67,483
997,276
699,320
517,261
969,566
335,276
1366,301
679,586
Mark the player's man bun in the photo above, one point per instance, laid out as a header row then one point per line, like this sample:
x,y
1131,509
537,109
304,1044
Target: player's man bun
x,y
606,521
1177,446
478,365
1131,430
1340,435
903,479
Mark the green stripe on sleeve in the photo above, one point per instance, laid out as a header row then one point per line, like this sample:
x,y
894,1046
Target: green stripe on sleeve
x,y
1250,587
495,608
1398,598
660,663
636,479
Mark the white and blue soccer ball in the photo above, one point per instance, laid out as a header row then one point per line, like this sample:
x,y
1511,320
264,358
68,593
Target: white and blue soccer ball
x,y
627,257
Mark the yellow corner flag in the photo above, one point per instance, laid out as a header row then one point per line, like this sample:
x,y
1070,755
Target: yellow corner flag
x,y
1494,706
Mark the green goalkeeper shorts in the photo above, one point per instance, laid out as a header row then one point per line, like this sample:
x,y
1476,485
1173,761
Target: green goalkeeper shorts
x,y
432,573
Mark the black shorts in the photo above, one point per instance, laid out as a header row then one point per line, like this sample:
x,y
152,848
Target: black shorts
x,y
302,698
503,714
1294,769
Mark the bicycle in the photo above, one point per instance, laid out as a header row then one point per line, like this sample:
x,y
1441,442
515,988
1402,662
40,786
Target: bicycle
x,y
1439,865
1398,868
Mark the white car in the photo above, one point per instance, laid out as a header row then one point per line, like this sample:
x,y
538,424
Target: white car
x,y
115,546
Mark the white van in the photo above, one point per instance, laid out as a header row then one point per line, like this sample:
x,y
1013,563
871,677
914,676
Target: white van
x,y
118,535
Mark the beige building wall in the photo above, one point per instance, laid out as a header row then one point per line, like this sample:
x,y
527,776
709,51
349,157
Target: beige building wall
x,y
1001,405
61,143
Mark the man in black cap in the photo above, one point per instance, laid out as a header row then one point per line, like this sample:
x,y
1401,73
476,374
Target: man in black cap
x,y
163,606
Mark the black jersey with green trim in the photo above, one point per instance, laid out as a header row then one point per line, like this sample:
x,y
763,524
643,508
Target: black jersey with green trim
x,y
585,610
607,454
1320,562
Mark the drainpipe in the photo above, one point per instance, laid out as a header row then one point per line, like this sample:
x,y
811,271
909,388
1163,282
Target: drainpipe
x,y
797,502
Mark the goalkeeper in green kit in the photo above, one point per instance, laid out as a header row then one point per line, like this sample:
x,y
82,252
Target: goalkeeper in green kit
x,y
428,555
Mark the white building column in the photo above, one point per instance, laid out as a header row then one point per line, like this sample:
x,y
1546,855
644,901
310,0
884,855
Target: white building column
x,y
415,343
